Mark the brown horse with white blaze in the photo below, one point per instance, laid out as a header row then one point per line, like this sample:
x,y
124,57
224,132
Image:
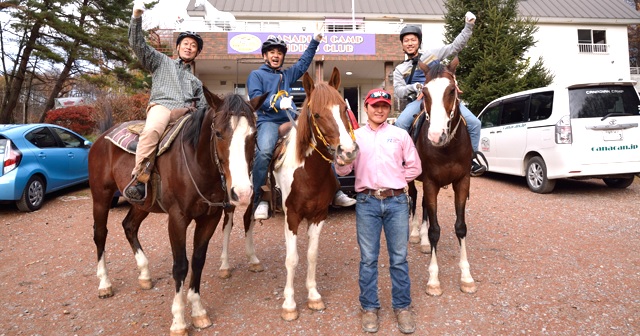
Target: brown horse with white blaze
x,y
445,150
306,178
205,171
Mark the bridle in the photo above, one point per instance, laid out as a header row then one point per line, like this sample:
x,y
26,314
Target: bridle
x,y
225,203
452,113
331,150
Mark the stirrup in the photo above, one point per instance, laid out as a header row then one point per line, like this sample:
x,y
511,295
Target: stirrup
x,y
134,181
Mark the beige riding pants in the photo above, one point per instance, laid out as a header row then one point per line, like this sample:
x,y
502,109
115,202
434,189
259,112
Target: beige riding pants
x,y
158,118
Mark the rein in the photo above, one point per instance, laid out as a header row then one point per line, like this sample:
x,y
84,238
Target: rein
x,y
225,203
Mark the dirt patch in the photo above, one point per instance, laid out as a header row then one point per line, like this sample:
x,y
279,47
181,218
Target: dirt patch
x,y
559,264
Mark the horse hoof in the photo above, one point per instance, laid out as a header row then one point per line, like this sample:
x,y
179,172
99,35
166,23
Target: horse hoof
x,y
316,305
201,322
104,293
468,287
145,283
182,332
414,239
256,268
434,290
289,314
224,273
425,249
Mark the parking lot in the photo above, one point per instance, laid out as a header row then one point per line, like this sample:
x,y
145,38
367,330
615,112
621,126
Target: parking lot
x,y
564,263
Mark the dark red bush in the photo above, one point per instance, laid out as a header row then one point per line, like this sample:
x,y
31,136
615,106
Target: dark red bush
x,y
79,119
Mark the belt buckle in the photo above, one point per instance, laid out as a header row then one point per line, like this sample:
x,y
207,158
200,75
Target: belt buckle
x,y
378,194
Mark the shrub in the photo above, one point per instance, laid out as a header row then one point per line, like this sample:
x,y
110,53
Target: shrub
x,y
79,119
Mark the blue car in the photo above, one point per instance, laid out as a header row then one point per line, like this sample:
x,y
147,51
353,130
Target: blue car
x,y
38,159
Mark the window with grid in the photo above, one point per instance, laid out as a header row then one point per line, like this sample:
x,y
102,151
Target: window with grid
x,y
592,41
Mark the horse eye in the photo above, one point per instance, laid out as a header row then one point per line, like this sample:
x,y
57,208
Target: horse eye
x,y
218,135
317,116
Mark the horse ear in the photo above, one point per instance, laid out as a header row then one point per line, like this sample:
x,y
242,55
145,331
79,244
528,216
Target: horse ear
x,y
212,99
307,83
334,80
454,64
256,102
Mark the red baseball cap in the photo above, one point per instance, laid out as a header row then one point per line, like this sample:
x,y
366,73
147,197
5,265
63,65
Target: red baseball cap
x,y
378,95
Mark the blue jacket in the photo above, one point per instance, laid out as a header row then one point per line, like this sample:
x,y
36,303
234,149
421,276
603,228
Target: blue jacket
x,y
266,79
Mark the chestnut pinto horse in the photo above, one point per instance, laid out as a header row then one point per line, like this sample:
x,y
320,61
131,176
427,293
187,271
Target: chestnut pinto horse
x,y
205,170
307,180
445,150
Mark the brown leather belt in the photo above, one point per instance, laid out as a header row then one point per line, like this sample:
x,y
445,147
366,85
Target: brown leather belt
x,y
383,193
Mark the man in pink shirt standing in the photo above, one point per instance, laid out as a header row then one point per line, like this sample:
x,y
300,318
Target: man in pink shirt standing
x,y
386,162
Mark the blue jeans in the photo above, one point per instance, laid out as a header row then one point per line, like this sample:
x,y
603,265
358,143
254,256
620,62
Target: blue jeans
x,y
392,216
265,144
473,123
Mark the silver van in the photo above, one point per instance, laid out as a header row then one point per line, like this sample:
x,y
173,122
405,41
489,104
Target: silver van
x,y
578,131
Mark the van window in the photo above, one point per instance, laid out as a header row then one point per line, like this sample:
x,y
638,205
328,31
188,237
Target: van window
x,y
541,106
491,116
597,102
514,111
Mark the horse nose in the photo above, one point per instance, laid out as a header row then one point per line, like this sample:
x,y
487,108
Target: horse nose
x,y
437,136
241,196
348,154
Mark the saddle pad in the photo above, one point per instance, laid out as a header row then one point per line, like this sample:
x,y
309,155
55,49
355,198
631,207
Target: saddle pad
x,y
126,135
123,137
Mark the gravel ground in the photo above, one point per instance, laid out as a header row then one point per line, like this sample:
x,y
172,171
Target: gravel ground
x,y
565,263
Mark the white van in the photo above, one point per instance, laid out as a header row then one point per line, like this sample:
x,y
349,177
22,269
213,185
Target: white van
x,y
577,131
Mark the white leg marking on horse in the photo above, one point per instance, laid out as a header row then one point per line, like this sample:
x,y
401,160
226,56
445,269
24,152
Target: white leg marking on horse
x,y
249,247
102,273
465,268
291,262
425,246
143,266
439,116
238,164
177,309
197,309
433,285
224,257
312,258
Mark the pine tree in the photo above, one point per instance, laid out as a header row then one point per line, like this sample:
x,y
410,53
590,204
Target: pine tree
x,y
494,63
83,36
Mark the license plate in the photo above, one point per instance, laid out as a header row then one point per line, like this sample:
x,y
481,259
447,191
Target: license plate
x,y
612,135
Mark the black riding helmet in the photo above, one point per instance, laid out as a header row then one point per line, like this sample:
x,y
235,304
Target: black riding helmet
x,y
274,42
411,29
192,35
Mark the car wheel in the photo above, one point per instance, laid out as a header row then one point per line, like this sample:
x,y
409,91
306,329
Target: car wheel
x,y
32,196
618,183
537,176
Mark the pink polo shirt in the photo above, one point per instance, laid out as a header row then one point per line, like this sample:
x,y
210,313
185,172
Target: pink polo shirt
x,y
379,162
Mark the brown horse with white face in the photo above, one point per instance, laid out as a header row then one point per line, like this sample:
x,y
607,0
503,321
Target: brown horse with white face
x,y
205,171
445,150
306,178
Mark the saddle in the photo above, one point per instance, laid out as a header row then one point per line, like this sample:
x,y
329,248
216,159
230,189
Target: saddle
x,y
127,134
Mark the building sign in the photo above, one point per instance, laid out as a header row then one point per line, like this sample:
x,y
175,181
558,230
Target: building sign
x,y
332,43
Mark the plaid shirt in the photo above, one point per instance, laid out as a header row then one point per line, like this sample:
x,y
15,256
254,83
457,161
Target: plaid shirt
x,y
174,84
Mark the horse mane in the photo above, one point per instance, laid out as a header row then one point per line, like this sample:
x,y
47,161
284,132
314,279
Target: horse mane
x,y
436,70
191,130
232,105
322,96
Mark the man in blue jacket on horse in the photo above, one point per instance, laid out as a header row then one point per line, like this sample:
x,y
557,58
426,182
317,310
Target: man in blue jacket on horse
x,y
277,109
